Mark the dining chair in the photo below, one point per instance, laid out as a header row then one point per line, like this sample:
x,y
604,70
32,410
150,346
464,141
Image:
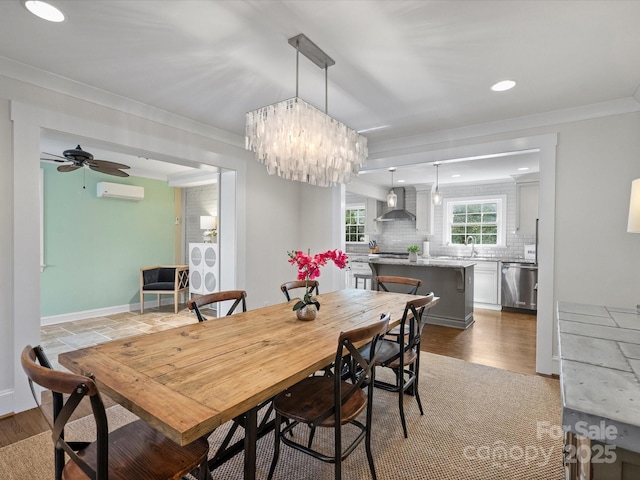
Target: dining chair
x,y
330,402
239,296
403,356
383,282
398,284
312,285
135,450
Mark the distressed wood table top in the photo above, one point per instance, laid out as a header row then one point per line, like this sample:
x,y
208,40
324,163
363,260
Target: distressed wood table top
x,y
188,380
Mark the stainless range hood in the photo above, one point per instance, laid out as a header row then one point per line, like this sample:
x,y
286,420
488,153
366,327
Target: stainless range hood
x,y
399,213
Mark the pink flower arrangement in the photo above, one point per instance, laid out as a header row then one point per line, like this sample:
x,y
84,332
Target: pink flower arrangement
x,y
309,269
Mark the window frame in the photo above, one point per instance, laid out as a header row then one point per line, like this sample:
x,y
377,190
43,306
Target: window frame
x,y
501,217
364,222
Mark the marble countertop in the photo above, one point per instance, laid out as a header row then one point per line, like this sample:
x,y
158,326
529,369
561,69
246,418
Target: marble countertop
x,y
600,372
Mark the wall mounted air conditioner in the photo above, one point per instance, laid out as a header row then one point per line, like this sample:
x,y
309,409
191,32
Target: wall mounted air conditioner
x,y
119,190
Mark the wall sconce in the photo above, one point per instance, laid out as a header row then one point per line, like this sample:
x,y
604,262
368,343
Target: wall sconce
x,y
209,224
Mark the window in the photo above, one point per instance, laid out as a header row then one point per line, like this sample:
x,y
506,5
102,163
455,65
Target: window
x,y
480,218
354,228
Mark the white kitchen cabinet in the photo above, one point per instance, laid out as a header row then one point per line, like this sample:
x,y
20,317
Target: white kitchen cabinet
x,y
485,290
527,207
371,212
357,267
424,209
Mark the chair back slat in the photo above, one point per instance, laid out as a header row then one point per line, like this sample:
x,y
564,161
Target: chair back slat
x,y
238,295
383,282
311,286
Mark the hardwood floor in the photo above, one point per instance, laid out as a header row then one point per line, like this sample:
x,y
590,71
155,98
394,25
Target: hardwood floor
x,y
505,340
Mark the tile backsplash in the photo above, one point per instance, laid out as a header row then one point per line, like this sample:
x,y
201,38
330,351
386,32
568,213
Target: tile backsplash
x,y
397,235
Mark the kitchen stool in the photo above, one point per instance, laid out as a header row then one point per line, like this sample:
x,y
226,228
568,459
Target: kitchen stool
x,y
363,276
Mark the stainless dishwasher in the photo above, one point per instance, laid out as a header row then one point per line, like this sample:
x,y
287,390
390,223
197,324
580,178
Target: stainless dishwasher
x,y
520,285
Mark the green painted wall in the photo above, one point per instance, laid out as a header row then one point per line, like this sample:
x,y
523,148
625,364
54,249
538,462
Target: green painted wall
x,y
94,247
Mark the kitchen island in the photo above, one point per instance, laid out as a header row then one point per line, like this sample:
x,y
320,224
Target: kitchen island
x,y
451,280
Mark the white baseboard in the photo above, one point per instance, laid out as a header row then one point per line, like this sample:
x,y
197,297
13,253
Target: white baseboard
x,y
487,306
101,312
6,402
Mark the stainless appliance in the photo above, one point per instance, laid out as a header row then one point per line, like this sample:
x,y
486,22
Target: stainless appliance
x,y
520,285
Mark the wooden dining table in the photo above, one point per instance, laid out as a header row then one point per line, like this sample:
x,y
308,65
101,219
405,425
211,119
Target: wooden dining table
x,y
189,380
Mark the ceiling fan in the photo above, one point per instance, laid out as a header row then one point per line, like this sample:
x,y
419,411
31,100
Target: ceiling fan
x,y
80,158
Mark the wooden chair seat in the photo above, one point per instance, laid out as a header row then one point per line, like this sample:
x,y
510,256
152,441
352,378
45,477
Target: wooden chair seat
x,y
312,396
139,451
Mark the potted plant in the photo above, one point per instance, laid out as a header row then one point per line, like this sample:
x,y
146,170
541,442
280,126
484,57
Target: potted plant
x,y
413,252
309,269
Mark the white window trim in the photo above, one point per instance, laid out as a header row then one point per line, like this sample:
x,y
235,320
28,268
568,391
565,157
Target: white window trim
x,y
356,207
501,200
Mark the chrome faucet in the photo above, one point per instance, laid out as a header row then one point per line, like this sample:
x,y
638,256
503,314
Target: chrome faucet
x,y
471,240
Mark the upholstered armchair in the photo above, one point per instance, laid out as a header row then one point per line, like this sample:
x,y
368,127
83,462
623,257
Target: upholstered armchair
x,y
164,280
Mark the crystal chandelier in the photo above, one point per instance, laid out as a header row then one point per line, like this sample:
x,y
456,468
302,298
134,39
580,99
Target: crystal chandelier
x,y
298,142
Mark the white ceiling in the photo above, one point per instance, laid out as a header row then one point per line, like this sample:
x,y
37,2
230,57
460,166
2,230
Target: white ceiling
x,y
415,67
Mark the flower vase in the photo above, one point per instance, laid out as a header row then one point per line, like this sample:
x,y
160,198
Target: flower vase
x,y
307,313
413,256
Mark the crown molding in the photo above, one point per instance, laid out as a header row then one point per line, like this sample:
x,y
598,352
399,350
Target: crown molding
x,y
422,143
65,86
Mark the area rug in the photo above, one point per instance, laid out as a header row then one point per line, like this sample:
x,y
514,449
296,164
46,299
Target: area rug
x,y
479,423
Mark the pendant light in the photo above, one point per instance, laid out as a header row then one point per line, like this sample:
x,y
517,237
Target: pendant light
x,y
392,198
437,196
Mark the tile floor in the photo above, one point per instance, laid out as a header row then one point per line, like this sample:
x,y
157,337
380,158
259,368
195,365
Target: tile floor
x,y
64,337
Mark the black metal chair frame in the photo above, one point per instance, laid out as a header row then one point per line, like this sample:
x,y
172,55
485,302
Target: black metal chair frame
x,y
365,377
391,354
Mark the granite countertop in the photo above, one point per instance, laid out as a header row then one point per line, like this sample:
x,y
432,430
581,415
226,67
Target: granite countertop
x,y
364,257
600,372
431,262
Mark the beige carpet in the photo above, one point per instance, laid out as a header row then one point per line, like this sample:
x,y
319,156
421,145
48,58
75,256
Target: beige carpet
x,y
479,423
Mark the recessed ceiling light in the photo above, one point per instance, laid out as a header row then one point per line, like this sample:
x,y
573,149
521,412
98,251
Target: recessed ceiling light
x,y
401,181
522,169
44,10
456,175
503,85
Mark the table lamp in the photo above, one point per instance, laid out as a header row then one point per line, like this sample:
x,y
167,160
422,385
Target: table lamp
x,y
208,224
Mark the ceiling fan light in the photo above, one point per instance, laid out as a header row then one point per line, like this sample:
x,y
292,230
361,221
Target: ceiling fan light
x,y
392,199
44,10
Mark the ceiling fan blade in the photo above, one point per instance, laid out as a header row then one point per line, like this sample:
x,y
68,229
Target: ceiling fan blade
x,y
105,164
109,171
57,159
68,168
